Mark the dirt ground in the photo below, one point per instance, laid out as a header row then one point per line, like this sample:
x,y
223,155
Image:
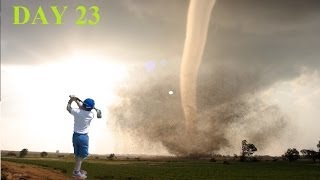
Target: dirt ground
x,y
17,171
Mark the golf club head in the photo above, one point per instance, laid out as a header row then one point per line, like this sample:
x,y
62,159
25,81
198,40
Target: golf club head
x,y
99,115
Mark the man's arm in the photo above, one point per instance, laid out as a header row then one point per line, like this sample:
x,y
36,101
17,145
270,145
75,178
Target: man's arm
x,y
77,100
69,104
79,103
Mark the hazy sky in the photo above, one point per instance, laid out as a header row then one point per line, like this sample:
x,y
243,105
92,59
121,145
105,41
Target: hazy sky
x,y
264,49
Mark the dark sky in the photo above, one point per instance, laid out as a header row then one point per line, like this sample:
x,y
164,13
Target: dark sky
x,y
273,31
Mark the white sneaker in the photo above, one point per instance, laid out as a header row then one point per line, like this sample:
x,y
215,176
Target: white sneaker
x,y
83,172
78,175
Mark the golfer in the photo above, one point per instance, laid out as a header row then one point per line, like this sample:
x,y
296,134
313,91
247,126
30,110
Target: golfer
x,y
82,119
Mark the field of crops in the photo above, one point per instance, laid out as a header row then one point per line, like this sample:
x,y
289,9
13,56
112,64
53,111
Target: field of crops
x,y
185,169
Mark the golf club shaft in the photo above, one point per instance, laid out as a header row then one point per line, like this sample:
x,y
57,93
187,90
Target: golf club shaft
x,y
82,102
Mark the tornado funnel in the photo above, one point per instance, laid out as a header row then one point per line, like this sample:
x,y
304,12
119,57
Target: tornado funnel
x,y
197,28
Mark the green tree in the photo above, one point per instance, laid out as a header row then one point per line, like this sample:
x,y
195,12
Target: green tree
x,y
23,153
310,154
247,150
292,154
44,154
111,157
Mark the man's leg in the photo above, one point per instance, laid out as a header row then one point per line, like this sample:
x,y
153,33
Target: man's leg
x,y
83,151
75,148
78,159
78,164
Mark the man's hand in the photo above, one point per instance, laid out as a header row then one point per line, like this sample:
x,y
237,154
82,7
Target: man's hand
x,y
76,99
73,97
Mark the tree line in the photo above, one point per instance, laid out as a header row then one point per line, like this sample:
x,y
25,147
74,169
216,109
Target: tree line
x,y
247,152
292,154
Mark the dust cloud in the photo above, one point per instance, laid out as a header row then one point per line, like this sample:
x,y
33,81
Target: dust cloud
x,y
230,109
208,112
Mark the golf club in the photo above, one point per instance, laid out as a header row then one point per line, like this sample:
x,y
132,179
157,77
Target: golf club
x,y
99,115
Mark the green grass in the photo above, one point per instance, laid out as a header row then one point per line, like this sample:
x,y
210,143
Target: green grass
x,y
185,169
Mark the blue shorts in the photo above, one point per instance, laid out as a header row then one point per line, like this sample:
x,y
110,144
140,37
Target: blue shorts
x,y
80,144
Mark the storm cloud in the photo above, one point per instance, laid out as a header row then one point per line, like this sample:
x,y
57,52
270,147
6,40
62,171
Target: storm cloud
x,y
251,46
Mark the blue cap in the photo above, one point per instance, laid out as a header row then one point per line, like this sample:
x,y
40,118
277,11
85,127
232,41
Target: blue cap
x,y
88,104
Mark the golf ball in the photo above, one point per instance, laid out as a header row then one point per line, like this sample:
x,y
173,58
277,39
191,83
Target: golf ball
x,y
170,92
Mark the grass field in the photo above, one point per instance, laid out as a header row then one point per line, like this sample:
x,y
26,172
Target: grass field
x,y
184,169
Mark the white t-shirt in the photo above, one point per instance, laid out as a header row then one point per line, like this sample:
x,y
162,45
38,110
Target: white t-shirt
x,y
82,120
